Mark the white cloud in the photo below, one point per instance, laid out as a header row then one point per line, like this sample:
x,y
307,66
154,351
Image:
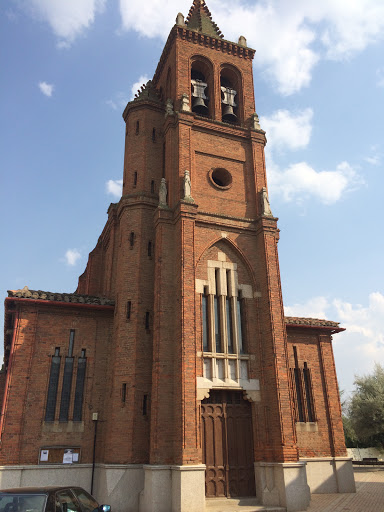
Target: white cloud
x,y
68,18
114,187
118,102
362,344
143,79
46,89
72,256
300,182
313,308
290,37
288,130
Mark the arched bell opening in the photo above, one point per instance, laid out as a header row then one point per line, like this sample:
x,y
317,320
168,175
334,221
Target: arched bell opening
x,y
231,95
201,88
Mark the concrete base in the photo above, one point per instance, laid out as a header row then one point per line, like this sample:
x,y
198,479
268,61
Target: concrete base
x,y
117,485
133,487
173,489
330,475
282,484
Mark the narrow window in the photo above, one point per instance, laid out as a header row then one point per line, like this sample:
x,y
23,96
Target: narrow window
x,y
204,317
299,398
154,135
152,186
52,386
71,342
240,324
79,389
129,308
163,166
298,388
123,392
132,239
135,178
145,405
67,379
217,313
308,393
147,320
66,389
149,249
229,325
137,127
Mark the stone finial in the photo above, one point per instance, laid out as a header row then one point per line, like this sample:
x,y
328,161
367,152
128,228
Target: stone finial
x,y
169,107
187,187
255,122
163,193
242,41
180,20
265,206
184,107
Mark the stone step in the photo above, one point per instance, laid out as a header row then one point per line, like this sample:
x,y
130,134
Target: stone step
x,y
238,505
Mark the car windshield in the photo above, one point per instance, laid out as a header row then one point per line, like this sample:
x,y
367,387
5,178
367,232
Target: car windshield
x,y
22,502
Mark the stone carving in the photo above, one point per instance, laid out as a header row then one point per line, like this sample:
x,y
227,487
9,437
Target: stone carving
x,y
169,107
180,20
255,122
202,393
187,187
163,193
184,107
242,41
265,206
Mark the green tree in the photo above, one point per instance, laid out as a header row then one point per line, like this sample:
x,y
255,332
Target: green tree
x,y
366,408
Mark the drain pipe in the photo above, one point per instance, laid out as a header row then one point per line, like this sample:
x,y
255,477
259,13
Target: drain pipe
x,y
95,417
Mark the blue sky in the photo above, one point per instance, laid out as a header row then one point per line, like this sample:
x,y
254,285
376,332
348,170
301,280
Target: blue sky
x,y
70,66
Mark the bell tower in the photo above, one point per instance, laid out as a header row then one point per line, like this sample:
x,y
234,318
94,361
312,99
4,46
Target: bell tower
x,y
218,335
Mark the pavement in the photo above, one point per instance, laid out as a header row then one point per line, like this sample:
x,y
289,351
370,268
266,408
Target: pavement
x,y
369,497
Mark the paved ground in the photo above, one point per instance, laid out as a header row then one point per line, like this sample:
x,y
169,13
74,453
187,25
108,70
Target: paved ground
x,y
368,498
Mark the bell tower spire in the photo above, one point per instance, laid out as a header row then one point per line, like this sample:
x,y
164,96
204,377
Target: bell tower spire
x,y
200,19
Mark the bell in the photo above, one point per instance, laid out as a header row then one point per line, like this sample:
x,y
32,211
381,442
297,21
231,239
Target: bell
x,y
228,114
198,95
228,102
199,106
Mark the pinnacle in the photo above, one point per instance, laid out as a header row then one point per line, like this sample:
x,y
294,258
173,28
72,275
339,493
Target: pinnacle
x,y
200,19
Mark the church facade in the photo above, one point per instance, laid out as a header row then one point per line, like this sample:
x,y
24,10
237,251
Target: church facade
x,y
171,376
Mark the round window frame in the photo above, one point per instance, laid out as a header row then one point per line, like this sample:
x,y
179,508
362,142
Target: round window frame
x,y
212,181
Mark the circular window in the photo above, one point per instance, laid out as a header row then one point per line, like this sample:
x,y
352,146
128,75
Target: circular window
x,y
220,178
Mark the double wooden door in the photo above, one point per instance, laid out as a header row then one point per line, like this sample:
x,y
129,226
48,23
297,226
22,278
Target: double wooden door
x,y
227,445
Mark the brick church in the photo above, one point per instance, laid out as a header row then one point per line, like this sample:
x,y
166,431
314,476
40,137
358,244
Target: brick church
x,y
171,377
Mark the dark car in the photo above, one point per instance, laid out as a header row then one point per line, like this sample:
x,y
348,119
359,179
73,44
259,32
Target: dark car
x,y
49,499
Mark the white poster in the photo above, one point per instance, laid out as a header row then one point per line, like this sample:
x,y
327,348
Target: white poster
x,y
75,457
44,455
68,457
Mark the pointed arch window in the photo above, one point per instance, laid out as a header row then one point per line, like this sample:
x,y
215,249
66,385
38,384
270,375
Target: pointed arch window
x,y
223,324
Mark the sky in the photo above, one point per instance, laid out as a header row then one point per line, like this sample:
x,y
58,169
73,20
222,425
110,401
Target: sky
x,y
68,68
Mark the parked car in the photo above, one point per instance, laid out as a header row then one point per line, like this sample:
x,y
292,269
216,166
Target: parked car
x,y
49,499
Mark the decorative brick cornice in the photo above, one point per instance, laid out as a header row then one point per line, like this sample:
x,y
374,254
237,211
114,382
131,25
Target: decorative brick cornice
x,y
73,298
201,39
216,43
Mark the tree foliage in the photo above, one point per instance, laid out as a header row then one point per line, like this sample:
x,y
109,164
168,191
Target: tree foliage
x,y
366,410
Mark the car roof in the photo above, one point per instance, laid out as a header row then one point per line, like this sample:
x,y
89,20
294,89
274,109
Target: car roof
x,y
37,490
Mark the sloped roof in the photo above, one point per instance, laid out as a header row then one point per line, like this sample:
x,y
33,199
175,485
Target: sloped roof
x,y
74,298
311,322
200,19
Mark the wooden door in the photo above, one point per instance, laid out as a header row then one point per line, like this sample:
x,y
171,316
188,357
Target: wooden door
x,y
227,445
